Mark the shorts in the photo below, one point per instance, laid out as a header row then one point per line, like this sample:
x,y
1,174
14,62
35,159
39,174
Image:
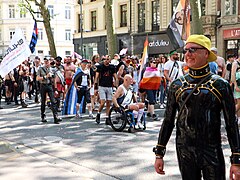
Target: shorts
x,y
151,96
68,81
83,92
92,91
105,93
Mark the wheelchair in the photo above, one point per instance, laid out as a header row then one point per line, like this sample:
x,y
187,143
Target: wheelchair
x,y
119,119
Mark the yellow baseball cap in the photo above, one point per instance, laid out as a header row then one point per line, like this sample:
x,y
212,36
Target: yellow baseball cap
x,y
204,42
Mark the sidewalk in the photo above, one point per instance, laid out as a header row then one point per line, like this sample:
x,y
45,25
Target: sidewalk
x,y
18,165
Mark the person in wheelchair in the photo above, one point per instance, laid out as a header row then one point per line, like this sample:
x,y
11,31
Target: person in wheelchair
x,y
124,98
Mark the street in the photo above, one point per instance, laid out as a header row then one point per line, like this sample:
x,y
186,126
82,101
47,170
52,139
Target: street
x,y
81,149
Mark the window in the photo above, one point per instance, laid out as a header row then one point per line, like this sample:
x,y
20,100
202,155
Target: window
x,y
230,7
40,51
141,17
38,13
67,53
11,33
51,11
93,21
23,12
68,35
40,34
11,11
123,9
67,12
93,0
203,8
155,16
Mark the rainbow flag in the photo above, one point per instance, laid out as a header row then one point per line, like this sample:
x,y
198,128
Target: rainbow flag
x,y
144,59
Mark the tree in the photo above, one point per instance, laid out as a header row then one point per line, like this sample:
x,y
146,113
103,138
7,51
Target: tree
x,y
196,24
46,21
111,36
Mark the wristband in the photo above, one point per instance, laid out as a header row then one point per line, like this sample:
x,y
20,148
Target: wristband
x,y
235,159
159,150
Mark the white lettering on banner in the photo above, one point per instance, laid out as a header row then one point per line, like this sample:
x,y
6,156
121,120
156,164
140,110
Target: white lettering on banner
x,y
158,43
235,32
17,52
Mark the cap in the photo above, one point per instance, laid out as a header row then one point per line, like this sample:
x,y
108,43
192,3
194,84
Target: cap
x,y
204,42
84,61
58,58
172,52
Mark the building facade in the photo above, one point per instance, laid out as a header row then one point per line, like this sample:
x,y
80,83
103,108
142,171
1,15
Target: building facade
x,y
133,21
12,16
221,22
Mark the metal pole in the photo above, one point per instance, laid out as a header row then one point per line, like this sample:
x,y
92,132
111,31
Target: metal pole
x,y
81,28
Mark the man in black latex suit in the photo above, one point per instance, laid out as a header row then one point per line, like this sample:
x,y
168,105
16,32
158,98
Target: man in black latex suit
x,y
198,128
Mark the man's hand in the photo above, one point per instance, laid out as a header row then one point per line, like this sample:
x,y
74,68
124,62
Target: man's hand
x,y
234,172
159,164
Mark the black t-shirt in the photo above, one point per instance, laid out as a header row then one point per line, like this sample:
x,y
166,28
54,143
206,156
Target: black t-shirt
x,y
106,75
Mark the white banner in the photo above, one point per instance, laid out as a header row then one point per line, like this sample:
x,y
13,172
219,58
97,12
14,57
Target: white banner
x,y
17,52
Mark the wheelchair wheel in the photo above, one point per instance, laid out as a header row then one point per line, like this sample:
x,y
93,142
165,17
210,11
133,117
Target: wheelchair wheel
x,y
118,121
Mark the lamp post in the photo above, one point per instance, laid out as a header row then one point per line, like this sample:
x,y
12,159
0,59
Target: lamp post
x,y
81,28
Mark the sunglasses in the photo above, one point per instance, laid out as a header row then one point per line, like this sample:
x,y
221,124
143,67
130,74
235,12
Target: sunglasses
x,y
191,50
154,62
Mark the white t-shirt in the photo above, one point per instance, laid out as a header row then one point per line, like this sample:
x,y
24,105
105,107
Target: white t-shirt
x,y
174,70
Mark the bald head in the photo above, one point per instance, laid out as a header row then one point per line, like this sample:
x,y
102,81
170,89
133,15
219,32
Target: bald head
x,y
128,79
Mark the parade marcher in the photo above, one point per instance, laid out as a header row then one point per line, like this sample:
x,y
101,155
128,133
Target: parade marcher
x,y
24,82
104,77
69,71
125,98
9,84
173,67
36,84
151,83
82,83
44,76
199,97
59,82
235,80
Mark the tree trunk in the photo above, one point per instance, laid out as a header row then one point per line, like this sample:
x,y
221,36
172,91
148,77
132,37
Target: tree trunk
x,y
48,29
111,37
196,24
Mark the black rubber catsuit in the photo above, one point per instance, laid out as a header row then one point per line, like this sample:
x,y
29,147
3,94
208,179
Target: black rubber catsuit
x,y
198,133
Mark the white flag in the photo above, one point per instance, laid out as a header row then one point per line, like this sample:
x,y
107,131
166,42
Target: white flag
x,y
17,52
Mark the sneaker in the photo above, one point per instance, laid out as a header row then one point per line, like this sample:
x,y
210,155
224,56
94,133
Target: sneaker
x,y
154,116
162,106
78,115
98,118
148,114
91,116
139,125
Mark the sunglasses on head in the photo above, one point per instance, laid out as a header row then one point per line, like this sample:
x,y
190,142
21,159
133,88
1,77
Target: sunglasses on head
x,y
154,62
191,50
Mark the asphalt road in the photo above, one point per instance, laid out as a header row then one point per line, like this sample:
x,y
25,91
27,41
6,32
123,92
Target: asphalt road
x,y
80,149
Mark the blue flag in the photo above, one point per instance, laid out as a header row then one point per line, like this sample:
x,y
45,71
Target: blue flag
x,y
33,41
